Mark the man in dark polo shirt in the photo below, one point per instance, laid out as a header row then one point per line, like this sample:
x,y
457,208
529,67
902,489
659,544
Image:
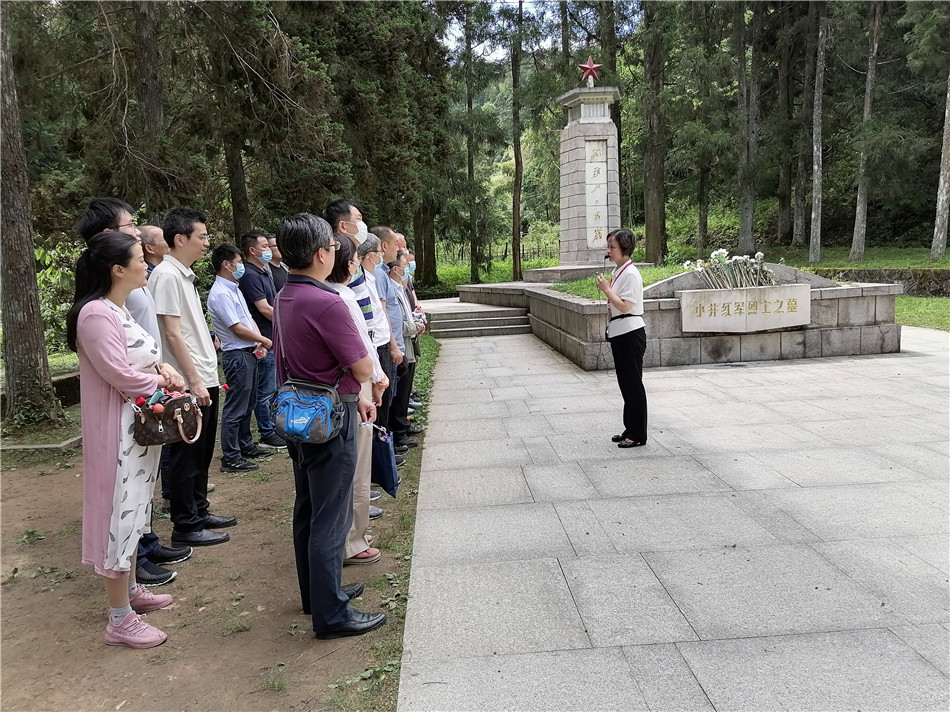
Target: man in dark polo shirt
x,y
259,291
315,339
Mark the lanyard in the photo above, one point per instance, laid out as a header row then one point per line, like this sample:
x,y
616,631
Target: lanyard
x,y
613,278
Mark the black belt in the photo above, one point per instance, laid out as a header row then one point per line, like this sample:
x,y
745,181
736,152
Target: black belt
x,y
246,349
624,316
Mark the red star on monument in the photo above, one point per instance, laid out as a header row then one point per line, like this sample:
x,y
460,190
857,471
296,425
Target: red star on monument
x,y
590,69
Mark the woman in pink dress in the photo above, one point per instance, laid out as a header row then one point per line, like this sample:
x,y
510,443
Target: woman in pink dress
x,y
118,362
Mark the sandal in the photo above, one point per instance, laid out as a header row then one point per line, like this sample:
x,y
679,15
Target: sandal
x,y
370,556
629,443
616,438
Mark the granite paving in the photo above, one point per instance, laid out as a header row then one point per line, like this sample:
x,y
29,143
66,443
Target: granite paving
x,y
780,543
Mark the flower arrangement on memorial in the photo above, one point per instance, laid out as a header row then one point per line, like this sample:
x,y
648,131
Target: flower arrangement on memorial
x,y
724,272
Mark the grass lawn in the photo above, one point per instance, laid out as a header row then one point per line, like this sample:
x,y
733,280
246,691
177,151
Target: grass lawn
x,y
588,287
874,257
929,312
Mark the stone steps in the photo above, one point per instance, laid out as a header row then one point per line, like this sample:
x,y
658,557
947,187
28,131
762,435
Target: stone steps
x,y
480,322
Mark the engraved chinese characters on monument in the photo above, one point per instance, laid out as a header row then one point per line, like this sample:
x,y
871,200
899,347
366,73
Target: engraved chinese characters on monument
x,y
745,309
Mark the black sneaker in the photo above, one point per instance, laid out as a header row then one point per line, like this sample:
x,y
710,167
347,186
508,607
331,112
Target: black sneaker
x,y
405,442
237,466
148,574
274,441
257,452
170,555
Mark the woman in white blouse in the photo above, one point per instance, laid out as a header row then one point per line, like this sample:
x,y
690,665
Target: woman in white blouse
x,y
627,335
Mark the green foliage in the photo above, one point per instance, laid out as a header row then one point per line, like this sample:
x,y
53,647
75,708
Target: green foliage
x,y
55,279
588,287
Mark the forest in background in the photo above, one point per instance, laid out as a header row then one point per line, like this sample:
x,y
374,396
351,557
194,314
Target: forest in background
x,y
742,124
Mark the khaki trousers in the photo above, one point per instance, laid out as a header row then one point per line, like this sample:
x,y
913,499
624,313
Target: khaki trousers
x,y
356,538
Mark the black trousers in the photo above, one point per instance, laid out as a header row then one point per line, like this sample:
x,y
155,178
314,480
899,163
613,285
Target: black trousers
x,y
628,350
187,474
398,420
323,512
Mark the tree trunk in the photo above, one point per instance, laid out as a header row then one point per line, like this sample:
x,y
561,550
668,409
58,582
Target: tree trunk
x,y
516,142
702,229
654,152
470,151
861,211
150,85
607,31
939,246
30,395
814,245
565,42
800,230
237,182
784,226
423,229
749,121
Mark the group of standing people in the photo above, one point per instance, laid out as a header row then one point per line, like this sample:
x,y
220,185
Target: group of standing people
x,y
138,325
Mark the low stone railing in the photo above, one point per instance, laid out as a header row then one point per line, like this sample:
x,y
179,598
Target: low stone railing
x,y
845,321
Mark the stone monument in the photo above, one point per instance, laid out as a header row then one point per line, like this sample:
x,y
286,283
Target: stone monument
x,y
590,181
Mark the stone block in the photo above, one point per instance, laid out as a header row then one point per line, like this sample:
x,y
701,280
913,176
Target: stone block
x,y
870,290
824,312
881,339
651,357
668,303
840,292
793,344
856,311
812,342
719,349
884,309
679,352
761,347
663,324
650,305
844,341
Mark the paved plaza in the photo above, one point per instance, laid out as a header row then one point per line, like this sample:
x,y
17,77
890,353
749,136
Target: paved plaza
x,y
780,543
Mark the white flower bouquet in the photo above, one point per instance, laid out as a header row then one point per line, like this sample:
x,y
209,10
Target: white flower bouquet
x,y
724,272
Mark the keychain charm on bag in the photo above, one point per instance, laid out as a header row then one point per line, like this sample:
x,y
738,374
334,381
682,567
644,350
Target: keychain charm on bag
x,y
166,418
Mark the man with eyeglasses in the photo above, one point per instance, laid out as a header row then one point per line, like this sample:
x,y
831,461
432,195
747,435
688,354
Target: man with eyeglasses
x,y
315,339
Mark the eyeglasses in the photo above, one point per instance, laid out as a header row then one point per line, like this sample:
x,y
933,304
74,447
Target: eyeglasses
x,y
134,223
333,246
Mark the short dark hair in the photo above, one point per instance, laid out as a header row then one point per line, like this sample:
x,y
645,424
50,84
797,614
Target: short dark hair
x,y
180,221
249,240
101,214
383,232
625,240
341,262
94,273
338,210
300,236
223,253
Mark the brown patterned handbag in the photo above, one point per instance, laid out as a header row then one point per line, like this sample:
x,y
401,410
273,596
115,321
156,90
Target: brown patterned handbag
x,y
179,420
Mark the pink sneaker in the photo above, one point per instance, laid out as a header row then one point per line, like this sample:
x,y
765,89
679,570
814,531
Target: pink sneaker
x,y
145,601
135,633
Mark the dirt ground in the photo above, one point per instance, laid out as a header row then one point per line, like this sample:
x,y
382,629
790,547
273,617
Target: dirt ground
x,y
237,639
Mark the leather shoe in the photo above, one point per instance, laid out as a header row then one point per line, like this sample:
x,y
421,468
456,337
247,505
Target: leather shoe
x,y
616,438
352,590
358,624
415,431
202,537
629,443
213,521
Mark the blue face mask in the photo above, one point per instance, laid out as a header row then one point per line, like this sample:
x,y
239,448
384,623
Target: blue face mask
x,y
239,271
412,267
266,256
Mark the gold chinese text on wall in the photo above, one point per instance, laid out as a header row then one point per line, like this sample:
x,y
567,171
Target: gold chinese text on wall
x,y
746,309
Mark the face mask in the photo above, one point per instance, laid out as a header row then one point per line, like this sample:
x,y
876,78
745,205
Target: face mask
x,y
362,232
266,256
239,271
412,267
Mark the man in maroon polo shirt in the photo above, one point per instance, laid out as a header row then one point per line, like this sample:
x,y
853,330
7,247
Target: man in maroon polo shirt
x,y
315,339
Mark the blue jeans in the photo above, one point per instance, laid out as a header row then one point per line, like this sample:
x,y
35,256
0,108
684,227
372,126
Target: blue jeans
x,y
240,371
266,392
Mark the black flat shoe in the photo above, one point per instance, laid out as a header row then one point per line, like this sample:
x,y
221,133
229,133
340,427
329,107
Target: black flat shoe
x,y
629,443
357,625
213,521
202,537
352,590
616,438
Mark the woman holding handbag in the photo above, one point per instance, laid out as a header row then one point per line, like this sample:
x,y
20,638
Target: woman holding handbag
x,y
626,333
118,362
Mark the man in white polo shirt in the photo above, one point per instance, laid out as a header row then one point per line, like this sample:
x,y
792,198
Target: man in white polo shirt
x,y
187,345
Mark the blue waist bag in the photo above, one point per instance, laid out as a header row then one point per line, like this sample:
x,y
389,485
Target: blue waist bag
x,y
308,412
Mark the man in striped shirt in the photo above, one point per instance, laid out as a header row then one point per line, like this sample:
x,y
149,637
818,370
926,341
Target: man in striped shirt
x,y
347,221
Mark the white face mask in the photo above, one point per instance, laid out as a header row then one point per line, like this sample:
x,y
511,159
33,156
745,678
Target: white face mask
x,y
362,232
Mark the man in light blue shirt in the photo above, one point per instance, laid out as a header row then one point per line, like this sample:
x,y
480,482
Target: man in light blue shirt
x,y
242,347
